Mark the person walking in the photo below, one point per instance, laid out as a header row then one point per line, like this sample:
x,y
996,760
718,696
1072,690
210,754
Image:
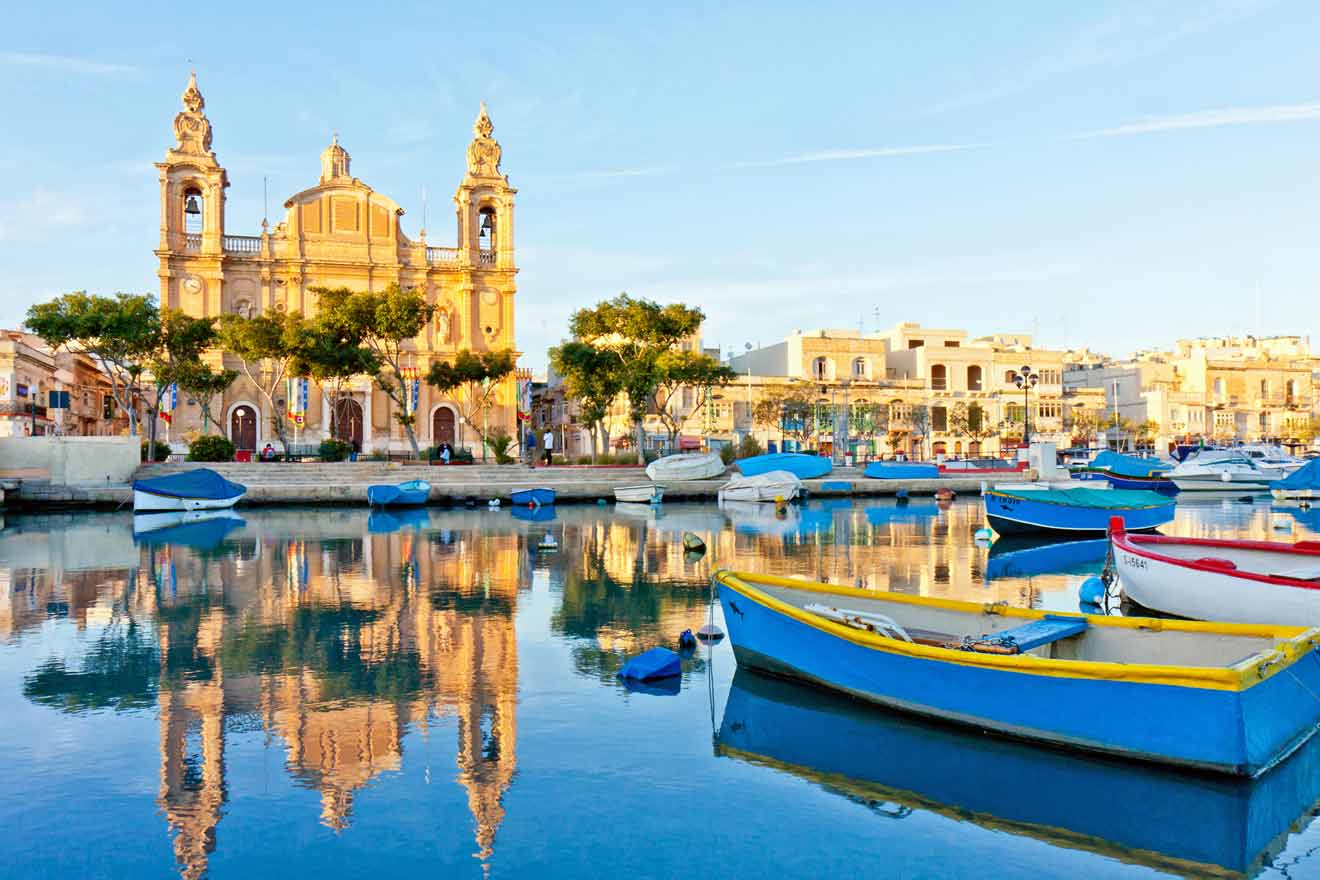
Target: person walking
x,y
529,442
548,442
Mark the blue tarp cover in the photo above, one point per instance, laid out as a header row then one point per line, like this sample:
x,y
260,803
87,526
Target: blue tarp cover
x,y
201,483
655,663
1128,465
901,470
1305,477
1105,499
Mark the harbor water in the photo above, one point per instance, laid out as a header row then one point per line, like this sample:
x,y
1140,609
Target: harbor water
x,y
337,692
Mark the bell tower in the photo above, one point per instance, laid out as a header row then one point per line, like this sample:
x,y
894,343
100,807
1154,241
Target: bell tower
x,y
192,184
485,201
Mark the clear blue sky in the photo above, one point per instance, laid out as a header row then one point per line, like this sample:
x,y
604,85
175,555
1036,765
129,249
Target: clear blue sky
x,y
1116,175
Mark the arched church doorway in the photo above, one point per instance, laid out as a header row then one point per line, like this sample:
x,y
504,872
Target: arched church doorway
x,y
243,428
348,421
442,426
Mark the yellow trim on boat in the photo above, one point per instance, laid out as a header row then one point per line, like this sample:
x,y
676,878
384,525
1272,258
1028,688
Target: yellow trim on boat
x,y
1291,642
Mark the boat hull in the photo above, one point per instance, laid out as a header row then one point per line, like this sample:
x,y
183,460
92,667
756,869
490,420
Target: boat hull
x,y
538,497
799,464
686,466
645,494
1011,515
411,494
150,501
1199,592
1149,484
1216,483
1240,733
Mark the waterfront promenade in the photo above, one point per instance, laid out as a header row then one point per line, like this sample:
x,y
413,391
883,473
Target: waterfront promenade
x,y
346,483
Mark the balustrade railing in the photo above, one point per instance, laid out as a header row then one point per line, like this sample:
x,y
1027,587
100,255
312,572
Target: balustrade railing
x,y
442,255
242,244
192,241
487,257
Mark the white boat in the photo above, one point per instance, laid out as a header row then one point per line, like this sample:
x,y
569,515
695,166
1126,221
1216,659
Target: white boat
x,y
686,466
1221,470
1269,582
769,486
1271,456
644,493
199,489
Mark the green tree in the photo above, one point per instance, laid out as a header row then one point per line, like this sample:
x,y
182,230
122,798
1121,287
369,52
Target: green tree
x,y
1147,431
788,408
387,322
332,353
676,370
200,381
477,375
267,346
119,332
592,377
177,356
636,332
919,420
1083,423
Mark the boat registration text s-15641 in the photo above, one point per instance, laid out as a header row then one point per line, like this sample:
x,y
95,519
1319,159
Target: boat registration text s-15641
x,y
1133,561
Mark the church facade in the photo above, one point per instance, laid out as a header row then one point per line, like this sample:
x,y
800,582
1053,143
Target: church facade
x,y
339,233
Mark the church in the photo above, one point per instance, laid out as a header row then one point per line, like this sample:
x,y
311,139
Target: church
x,y
338,232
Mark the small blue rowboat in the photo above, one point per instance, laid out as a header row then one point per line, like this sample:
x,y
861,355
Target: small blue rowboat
x,y
541,496
1036,510
199,489
1235,698
1022,557
901,470
799,464
1133,472
409,494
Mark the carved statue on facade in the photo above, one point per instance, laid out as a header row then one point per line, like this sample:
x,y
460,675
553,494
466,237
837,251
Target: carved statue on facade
x,y
442,325
483,153
192,130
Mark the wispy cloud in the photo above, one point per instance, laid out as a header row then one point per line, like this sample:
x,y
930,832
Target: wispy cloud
x,y
845,155
648,171
67,64
1208,119
30,219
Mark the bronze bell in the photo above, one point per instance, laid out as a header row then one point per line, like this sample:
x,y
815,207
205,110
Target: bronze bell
x,y
190,206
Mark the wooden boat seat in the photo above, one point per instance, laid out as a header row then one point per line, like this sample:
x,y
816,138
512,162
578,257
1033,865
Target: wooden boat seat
x,y
1023,638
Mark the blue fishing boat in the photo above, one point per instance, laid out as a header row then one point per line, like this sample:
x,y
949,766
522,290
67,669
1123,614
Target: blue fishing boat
x,y
198,489
1237,699
409,494
1173,822
901,470
799,464
1133,472
541,496
1038,509
1302,484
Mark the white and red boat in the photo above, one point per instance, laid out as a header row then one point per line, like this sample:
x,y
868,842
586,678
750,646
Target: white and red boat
x,y
1212,579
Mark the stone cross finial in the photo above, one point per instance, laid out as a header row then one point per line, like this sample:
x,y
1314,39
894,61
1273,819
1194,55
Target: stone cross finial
x,y
483,153
192,130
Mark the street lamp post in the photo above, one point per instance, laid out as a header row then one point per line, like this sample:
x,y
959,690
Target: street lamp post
x,y
1026,380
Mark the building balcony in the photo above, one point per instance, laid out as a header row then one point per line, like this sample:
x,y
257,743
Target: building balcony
x,y
442,255
486,257
242,245
192,241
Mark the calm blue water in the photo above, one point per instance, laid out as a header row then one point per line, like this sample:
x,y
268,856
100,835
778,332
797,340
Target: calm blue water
x,y
325,691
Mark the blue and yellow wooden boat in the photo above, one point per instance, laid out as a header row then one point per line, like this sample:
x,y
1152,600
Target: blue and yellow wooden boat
x,y
1132,472
1038,509
1227,698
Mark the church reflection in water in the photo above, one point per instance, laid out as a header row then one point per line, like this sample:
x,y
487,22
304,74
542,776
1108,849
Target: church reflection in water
x,y
337,633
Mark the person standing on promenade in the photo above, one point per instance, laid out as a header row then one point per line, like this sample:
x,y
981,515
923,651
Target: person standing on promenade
x,y
548,441
529,443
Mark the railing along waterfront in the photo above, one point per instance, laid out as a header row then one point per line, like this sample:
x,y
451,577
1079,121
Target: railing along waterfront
x,y
442,255
242,244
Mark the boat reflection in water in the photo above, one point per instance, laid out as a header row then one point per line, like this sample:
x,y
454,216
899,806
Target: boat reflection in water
x,y
1021,557
1185,823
